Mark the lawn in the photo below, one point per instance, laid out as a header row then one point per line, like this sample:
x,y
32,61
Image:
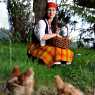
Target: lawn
x,y
80,73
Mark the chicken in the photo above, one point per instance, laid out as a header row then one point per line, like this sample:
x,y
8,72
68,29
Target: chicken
x,y
13,77
15,72
21,84
29,82
66,88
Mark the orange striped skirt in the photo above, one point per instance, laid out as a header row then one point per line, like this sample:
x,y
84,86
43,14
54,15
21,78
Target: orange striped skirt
x,y
49,54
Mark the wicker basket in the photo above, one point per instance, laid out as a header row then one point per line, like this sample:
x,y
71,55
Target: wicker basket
x,y
63,42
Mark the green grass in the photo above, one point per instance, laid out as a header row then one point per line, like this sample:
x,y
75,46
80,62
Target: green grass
x,y
80,73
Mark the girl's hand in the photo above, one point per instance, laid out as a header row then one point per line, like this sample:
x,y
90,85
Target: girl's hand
x,y
58,35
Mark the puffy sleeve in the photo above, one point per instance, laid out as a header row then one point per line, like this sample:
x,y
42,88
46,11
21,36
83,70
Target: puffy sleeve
x,y
40,29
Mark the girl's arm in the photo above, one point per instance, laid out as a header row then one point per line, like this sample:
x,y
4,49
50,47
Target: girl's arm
x,y
48,36
42,35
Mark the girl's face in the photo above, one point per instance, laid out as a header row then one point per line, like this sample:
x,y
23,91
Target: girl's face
x,y
51,12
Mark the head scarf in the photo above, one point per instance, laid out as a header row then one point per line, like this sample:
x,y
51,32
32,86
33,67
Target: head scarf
x,y
52,4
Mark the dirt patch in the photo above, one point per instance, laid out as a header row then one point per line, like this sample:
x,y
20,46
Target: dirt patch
x,y
43,90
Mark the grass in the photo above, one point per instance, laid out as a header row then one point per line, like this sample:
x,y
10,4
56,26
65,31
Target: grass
x,y
80,73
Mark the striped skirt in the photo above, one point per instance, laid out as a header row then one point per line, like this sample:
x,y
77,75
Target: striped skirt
x,y
49,54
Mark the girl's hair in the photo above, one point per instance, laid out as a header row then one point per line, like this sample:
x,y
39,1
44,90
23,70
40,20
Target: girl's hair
x,y
53,24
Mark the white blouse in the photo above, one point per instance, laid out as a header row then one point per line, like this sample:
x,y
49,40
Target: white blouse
x,y
40,31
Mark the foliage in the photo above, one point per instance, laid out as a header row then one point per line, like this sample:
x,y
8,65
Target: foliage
x,y
85,3
19,11
5,34
63,17
85,13
3,30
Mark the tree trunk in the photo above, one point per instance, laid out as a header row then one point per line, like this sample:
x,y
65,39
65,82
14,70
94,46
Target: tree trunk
x,y
39,8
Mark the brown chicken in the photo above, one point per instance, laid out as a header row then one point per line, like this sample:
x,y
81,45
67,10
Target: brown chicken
x,y
15,72
21,84
12,82
27,80
66,88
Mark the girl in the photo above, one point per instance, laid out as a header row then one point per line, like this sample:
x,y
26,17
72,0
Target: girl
x,y
45,31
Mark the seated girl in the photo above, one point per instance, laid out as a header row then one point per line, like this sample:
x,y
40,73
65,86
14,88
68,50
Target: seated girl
x,y
45,31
